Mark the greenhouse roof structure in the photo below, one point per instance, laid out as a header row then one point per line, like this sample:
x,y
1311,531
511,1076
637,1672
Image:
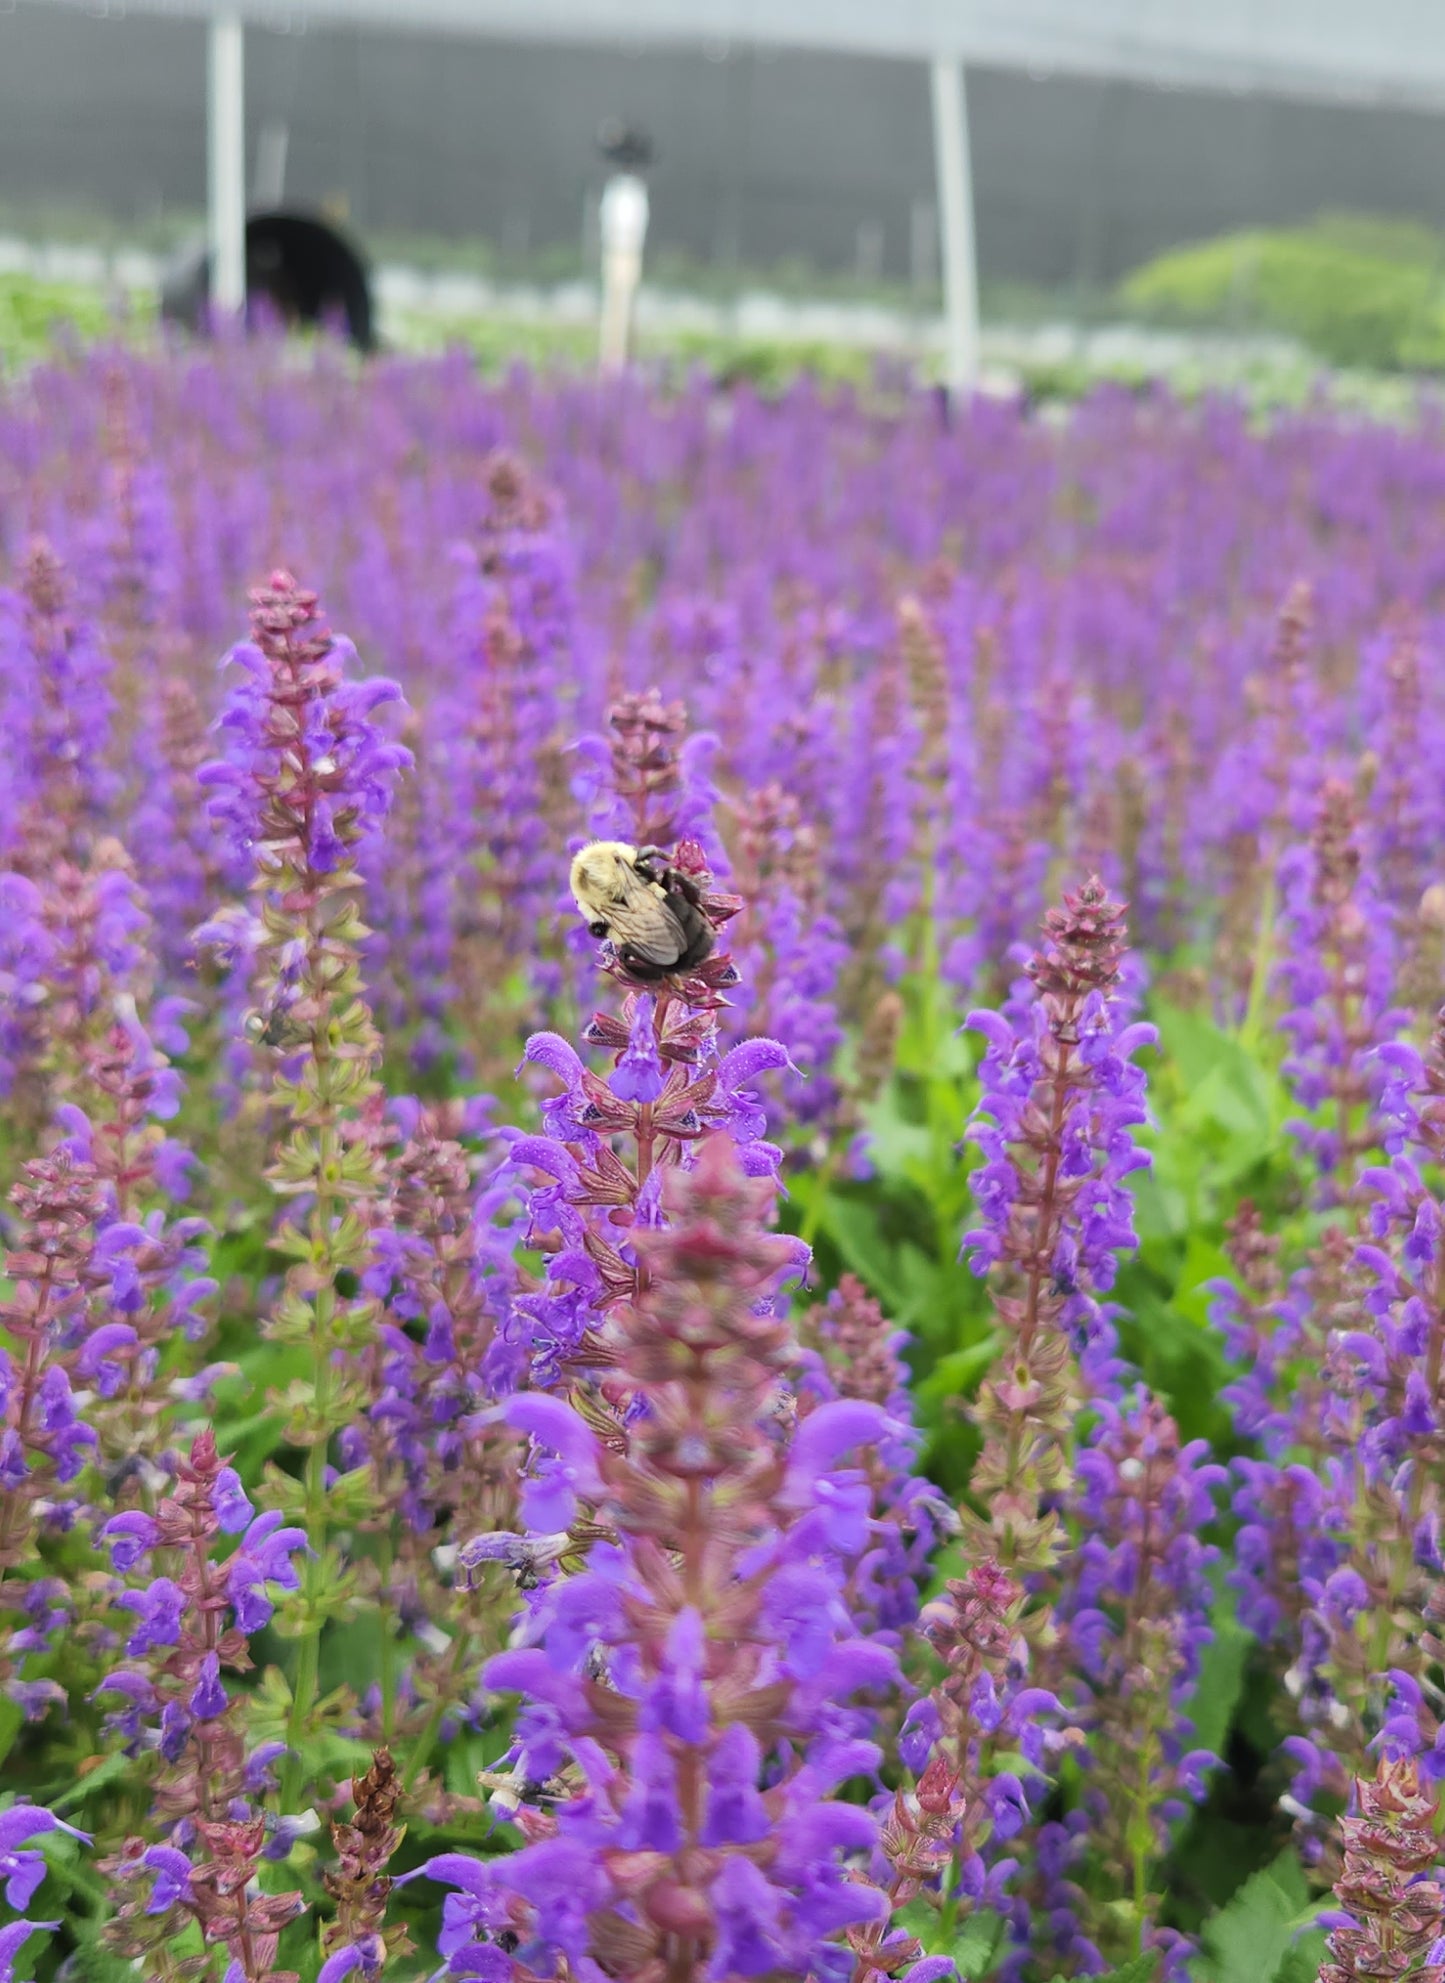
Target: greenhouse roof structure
x,y
1391,51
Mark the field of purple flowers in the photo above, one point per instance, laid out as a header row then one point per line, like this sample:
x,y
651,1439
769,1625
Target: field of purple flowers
x,y
912,1447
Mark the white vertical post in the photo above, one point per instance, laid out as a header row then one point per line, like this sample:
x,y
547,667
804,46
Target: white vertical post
x,y
226,161
954,173
622,220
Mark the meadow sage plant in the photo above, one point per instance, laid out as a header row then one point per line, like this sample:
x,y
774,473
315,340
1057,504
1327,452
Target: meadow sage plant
x,y
308,776
501,1507
688,1695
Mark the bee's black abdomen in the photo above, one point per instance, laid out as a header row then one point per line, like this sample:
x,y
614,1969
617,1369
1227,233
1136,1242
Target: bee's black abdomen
x,y
641,967
695,928
694,935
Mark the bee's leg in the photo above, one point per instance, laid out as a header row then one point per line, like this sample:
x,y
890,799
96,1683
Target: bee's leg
x,y
646,859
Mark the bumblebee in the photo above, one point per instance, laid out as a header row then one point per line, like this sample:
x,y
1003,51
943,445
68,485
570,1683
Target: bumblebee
x,y
650,910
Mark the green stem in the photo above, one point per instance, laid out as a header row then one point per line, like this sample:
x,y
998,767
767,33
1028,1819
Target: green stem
x,y
948,1913
940,1141
426,1741
388,1647
308,1651
1252,1025
822,1184
308,1656
1141,1879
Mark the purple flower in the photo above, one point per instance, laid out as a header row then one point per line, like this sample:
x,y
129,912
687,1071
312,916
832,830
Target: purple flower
x,y
230,1501
736,1814
129,1537
13,1937
264,1557
749,1913
363,1958
35,1698
22,1871
1338,972
208,1699
172,1882
159,1609
649,1816
260,1771
637,1076
349,765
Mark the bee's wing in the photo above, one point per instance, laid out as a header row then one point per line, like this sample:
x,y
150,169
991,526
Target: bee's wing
x,y
642,919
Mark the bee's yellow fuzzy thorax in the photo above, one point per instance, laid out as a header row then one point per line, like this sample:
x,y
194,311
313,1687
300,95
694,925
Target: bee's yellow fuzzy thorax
x,y
594,867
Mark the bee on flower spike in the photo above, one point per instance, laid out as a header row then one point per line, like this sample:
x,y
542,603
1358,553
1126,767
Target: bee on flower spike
x,y
650,910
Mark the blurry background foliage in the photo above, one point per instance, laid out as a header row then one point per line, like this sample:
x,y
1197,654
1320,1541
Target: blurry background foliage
x,y
1359,291
1361,296
35,313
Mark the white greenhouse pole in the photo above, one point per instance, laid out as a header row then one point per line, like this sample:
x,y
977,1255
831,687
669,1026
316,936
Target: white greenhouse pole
x,y
226,161
954,171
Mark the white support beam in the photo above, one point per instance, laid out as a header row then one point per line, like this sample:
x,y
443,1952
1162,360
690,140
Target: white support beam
x,y
1391,52
954,170
226,161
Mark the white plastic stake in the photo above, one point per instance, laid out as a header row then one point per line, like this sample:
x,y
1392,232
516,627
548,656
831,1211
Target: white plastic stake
x,y
226,161
953,168
622,221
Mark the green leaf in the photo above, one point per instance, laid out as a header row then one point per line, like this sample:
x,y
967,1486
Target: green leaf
x,y
1203,1262
114,1769
897,1147
976,1944
12,1720
1161,1202
1221,1676
953,1375
853,1227
1227,1083
94,1963
1246,1942
1301,1963
1142,1968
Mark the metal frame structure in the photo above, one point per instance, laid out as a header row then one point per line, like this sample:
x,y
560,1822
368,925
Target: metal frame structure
x,y
1337,50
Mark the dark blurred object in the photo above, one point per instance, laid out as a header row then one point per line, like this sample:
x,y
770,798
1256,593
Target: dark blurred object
x,y
307,271
627,147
